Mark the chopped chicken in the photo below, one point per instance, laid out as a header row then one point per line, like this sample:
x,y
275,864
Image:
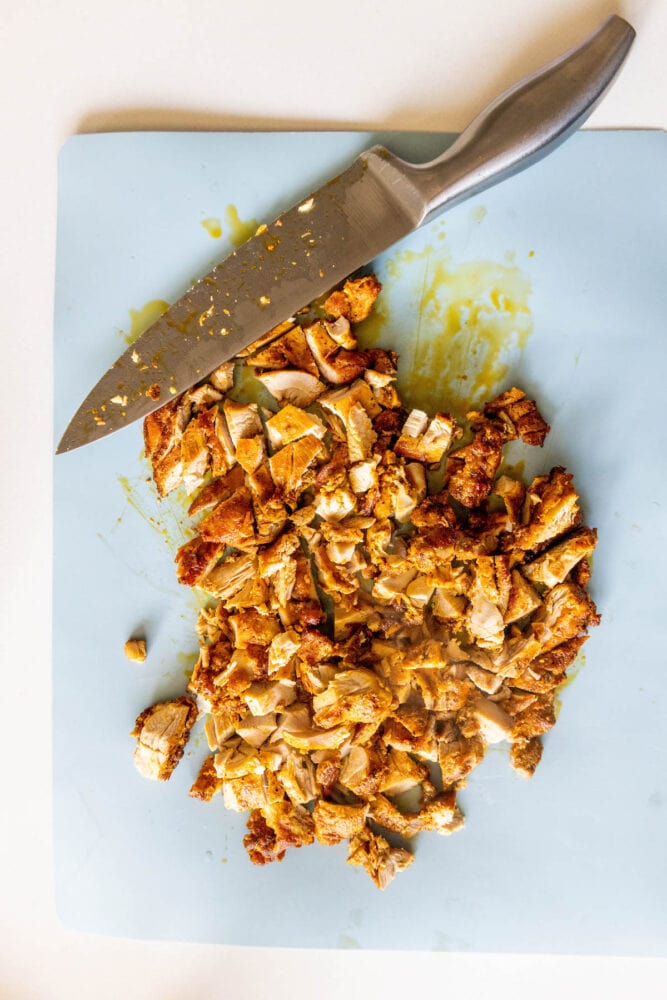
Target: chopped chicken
x,y
336,364
289,386
161,732
207,783
426,441
135,650
381,861
554,565
274,829
292,423
334,822
355,299
288,351
370,637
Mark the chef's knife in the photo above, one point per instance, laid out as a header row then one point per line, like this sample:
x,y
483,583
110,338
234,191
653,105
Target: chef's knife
x,y
341,227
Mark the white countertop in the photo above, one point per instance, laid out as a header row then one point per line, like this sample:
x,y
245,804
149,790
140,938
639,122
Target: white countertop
x,y
165,64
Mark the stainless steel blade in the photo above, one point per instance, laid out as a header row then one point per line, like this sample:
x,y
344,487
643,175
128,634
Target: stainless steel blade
x,y
364,210
301,255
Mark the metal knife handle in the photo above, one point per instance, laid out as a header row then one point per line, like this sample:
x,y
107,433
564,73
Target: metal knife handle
x,y
525,123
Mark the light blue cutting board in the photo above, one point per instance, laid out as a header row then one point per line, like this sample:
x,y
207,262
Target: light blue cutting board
x,y
574,861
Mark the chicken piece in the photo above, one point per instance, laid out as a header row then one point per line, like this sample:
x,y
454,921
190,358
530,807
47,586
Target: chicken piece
x,y
334,822
194,455
275,828
242,420
341,331
381,861
355,300
411,729
335,505
309,737
195,559
231,522
557,562
256,729
229,577
290,465
520,416
438,815
297,777
403,773
335,363
352,696
287,351
363,476
512,493
470,470
289,386
538,718
251,453
523,598
252,791
252,626
263,697
339,402
217,490
567,611
525,755
457,757
163,430
266,338
135,650
489,597
555,511
360,434
207,783
161,732
402,489
223,377
290,424
424,440
364,769
383,385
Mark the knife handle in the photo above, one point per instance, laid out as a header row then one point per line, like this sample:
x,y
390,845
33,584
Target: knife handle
x,y
525,123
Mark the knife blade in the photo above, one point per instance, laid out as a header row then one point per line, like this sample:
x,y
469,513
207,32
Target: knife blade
x,y
313,246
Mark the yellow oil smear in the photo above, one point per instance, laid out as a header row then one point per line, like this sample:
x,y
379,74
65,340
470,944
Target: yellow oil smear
x,y
169,527
513,469
478,214
141,319
213,227
572,674
186,662
455,326
239,230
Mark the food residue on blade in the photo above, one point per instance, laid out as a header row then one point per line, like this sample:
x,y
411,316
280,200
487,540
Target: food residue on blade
x,y
240,230
141,319
467,319
213,227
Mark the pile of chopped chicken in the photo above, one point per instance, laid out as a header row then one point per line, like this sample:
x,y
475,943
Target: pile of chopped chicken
x,y
367,637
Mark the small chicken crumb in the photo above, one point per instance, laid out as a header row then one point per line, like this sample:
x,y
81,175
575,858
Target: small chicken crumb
x,y
135,650
369,635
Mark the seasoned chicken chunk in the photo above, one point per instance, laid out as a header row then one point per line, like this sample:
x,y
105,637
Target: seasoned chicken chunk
x,y
161,732
381,861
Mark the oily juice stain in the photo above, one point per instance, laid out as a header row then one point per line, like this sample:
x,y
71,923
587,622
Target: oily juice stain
x,y
239,230
141,319
457,330
213,227
572,674
141,498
